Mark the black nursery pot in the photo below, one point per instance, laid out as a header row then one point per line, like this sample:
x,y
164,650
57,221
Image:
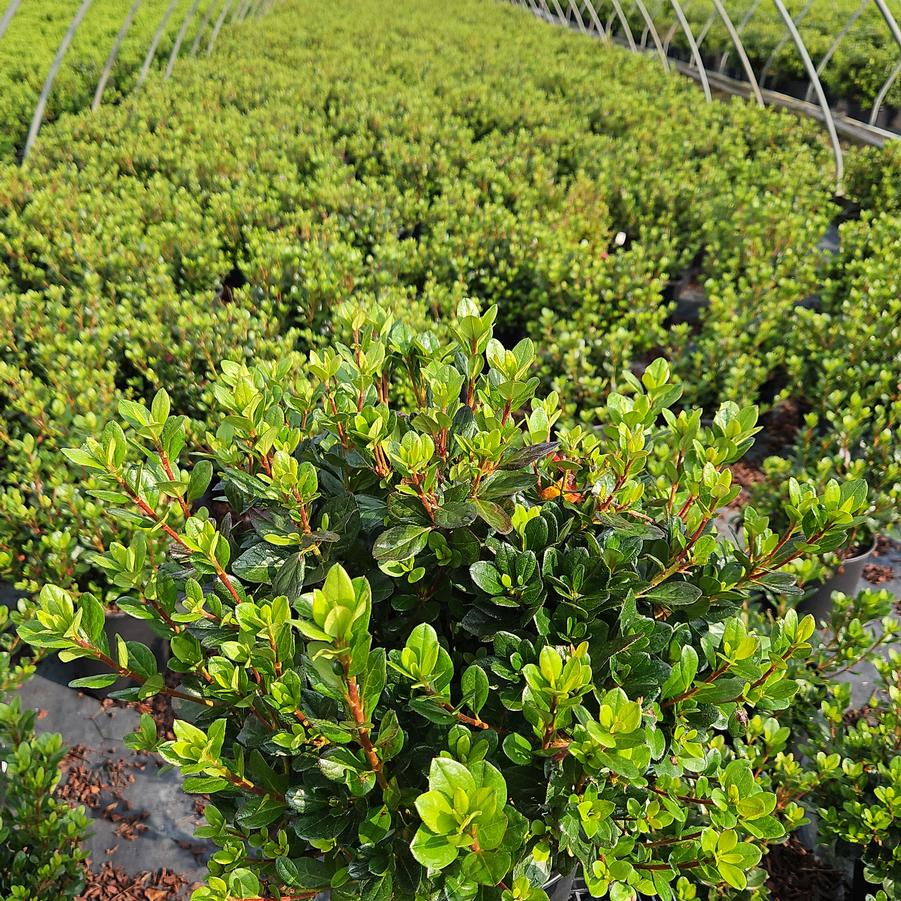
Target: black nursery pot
x,y
560,887
130,629
861,889
846,579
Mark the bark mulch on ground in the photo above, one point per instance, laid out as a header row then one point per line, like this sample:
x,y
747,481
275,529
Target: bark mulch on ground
x,y
101,789
111,883
877,574
159,707
745,474
796,874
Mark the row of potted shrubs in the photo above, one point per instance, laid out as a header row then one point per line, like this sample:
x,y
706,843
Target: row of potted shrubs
x,y
154,252
128,264
435,644
35,32
862,57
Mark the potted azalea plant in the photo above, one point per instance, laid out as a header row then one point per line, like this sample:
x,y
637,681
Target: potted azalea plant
x,y
434,646
852,440
837,751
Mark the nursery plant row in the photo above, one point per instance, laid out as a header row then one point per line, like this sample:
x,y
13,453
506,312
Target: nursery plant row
x,y
456,576
851,35
36,31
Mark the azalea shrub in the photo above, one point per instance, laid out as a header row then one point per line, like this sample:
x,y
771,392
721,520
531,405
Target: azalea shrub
x,y
433,644
837,750
40,836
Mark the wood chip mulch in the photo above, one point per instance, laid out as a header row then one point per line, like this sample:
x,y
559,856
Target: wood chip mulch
x,y
745,474
877,574
101,788
159,707
796,874
111,883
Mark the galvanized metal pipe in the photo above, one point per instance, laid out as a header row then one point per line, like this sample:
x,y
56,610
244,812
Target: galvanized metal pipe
x,y
207,17
739,29
649,24
764,72
883,93
38,117
155,43
598,25
180,37
740,49
630,40
8,15
818,87
218,26
808,96
580,21
113,54
702,72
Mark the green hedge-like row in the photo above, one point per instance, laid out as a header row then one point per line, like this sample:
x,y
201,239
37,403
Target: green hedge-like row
x,y
853,76
323,158
36,31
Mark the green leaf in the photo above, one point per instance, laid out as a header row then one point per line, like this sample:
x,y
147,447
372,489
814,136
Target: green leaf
x,y
488,867
674,594
494,515
201,476
289,579
732,874
518,749
432,850
242,883
103,681
374,680
486,576
259,563
475,688
401,542
447,776
303,872
93,618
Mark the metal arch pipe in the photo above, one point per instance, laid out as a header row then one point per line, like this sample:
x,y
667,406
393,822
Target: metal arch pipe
x,y
243,9
155,43
705,29
702,72
808,96
61,51
630,39
254,9
236,10
218,26
649,24
740,50
721,68
792,27
574,7
669,36
113,54
780,44
8,16
892,23
598,25
883,93
207,16
180,37
610,19
559,10
645,32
